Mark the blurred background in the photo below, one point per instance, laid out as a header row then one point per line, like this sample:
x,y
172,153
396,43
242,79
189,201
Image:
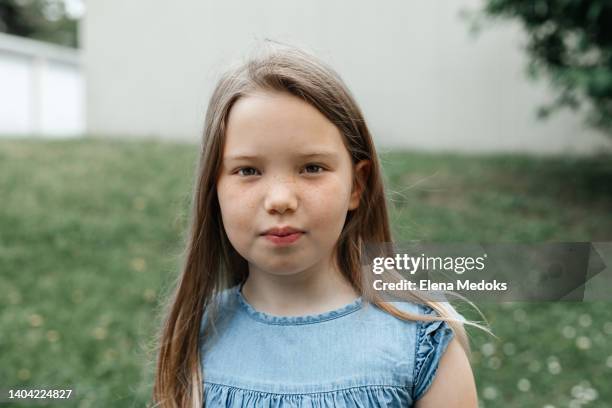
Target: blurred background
x,y
493,120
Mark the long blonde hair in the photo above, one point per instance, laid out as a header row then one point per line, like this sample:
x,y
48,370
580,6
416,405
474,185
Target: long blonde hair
x,y
211,264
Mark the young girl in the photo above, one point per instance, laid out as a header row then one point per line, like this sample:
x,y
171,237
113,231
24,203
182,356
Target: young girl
x,y
271,309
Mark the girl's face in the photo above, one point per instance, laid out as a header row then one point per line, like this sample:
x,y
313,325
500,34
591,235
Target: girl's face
x,y
284,165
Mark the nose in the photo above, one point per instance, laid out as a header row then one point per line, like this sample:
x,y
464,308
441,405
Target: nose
x,y
281,196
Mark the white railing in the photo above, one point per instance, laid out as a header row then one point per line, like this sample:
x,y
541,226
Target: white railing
x,y
41,89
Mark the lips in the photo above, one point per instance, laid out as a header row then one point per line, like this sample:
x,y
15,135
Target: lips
x,y
283,235
282,231
284,239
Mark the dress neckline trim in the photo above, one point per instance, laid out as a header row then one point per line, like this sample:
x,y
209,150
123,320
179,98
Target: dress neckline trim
x,y
296,320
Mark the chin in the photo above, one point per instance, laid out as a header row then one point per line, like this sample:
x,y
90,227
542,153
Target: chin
x,y
281,269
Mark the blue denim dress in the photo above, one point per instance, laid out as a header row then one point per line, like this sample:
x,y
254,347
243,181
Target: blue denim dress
x,y
354,356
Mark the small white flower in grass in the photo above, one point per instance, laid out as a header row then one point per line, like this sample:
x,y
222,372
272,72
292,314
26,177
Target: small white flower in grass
x,y
590,394
36,320
608,328
568,332
509,349
585,320
149,295
609,362
523,385
138,264
583,343
554,367
577,391
99,333
488,349
494,363
489,392
53,336
575,404
548,406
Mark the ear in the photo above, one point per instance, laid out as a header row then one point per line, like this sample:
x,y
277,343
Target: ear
x,y
362,170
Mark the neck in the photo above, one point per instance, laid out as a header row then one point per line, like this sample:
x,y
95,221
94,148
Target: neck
x,y
311,291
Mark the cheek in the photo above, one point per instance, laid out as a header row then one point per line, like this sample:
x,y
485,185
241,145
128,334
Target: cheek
x,y
236,206
329,205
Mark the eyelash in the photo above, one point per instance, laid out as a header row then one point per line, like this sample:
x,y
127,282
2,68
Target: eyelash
x,y
308,165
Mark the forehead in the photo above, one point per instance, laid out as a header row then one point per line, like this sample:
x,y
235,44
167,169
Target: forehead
x,y
275,123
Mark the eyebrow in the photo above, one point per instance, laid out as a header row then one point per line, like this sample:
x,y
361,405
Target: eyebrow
x,y
303,155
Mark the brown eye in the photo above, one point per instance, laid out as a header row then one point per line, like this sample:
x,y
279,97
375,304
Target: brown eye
x,y
316,167
247,170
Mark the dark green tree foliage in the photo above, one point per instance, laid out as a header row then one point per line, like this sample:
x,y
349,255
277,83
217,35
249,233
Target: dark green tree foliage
x,y
44,20
571,42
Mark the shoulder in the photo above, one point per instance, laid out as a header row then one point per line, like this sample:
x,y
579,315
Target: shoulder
x,y
419,345
439,361
454,384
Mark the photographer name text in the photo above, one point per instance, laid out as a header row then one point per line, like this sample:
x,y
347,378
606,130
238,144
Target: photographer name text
x,y
428,285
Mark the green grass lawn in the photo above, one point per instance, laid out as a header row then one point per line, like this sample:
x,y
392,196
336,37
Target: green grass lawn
x,y
91,235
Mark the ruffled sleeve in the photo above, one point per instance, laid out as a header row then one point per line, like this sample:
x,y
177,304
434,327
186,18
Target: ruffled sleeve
x,y
432,340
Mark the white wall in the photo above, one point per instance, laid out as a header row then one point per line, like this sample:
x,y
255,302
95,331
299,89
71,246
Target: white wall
x,y
42,89
421,79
